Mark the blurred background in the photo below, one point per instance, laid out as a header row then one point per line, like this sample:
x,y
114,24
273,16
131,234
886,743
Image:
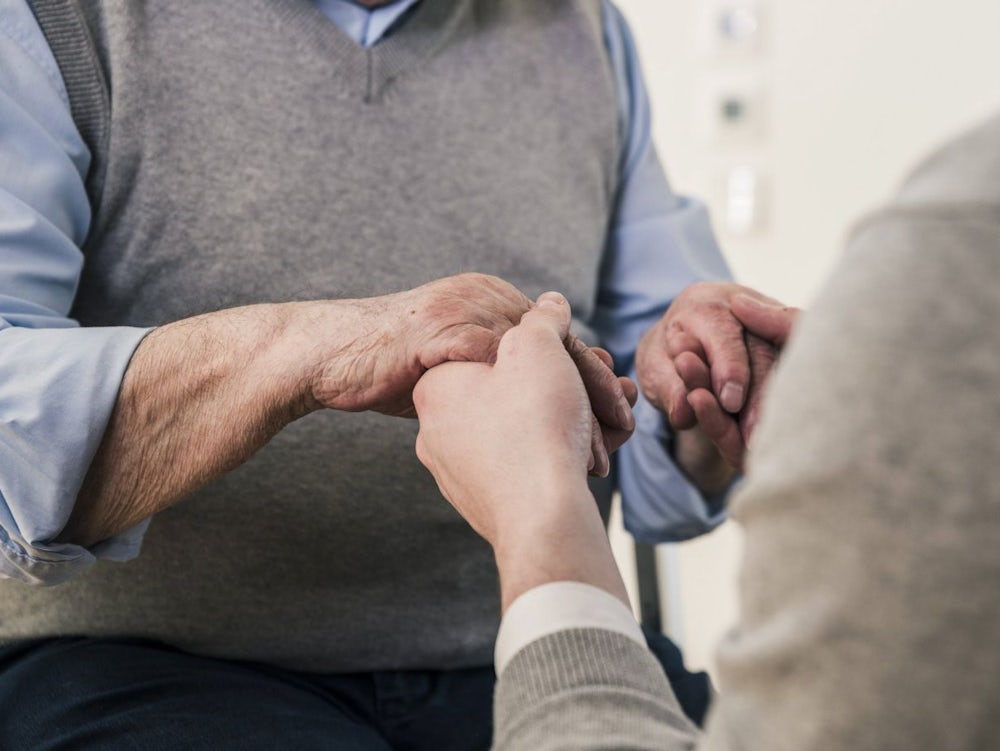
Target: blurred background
x,y
791,119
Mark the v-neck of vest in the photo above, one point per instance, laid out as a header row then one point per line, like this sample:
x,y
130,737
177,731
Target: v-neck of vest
x,y
424,30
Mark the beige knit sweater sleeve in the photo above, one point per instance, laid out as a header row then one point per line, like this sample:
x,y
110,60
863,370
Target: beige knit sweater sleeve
x,y
870,587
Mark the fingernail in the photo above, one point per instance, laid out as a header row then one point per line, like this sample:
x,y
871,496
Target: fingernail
x,y
550,299
731,397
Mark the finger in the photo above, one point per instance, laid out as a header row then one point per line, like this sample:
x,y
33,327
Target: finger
x,y
682,341
613,437
721,336
551,312
607,398
719,426
692,368
766,318
717,339
630,390
604,356
660,383
600,464
544,326
693,371
763,357
679,412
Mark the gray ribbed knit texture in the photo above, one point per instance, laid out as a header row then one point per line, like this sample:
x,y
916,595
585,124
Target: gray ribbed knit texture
x,y
257,154
586,689
870,611
83,76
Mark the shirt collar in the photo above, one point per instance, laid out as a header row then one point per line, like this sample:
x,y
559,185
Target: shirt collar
x,y
366,26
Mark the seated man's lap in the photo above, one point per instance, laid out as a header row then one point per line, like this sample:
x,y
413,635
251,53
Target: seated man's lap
x,y
84,693
96,694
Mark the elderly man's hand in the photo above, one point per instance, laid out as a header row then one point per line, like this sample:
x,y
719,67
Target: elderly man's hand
x,y
697,365
730,434
458,318
397,337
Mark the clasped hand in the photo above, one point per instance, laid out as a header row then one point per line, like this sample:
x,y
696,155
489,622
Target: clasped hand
x,y
707,361
505,440
397,338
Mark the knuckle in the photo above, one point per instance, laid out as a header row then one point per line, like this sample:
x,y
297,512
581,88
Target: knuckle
x,y
423,454
420,396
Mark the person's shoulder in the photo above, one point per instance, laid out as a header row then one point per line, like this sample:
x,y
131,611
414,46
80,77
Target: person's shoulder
x,y
948,208
964,171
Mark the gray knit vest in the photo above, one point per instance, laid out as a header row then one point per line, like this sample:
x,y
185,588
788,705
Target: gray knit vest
x,y
255,153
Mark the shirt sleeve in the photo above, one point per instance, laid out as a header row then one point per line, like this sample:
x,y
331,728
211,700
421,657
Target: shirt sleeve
x,y
561,606
575,672
658,244
58,382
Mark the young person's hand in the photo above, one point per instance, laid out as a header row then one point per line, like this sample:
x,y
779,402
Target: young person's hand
x,y
510,445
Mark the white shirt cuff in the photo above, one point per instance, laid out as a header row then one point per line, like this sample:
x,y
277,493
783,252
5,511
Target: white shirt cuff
x,y
560,606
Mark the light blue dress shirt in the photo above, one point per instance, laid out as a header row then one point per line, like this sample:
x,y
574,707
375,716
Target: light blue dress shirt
x,y
59,382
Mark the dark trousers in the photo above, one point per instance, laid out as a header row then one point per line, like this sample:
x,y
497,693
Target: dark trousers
x,y
78,694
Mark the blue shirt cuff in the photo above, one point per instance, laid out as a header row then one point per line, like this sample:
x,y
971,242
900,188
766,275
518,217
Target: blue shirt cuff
x,y
53,563
58,387
659,504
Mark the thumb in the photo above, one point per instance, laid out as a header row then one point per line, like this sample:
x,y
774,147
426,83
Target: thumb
x,y
550,313
770,320
544,328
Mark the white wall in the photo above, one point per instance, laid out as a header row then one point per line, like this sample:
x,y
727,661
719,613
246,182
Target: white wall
x,y
843,97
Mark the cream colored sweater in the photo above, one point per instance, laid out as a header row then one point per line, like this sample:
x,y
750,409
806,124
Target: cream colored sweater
x,y
871,578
